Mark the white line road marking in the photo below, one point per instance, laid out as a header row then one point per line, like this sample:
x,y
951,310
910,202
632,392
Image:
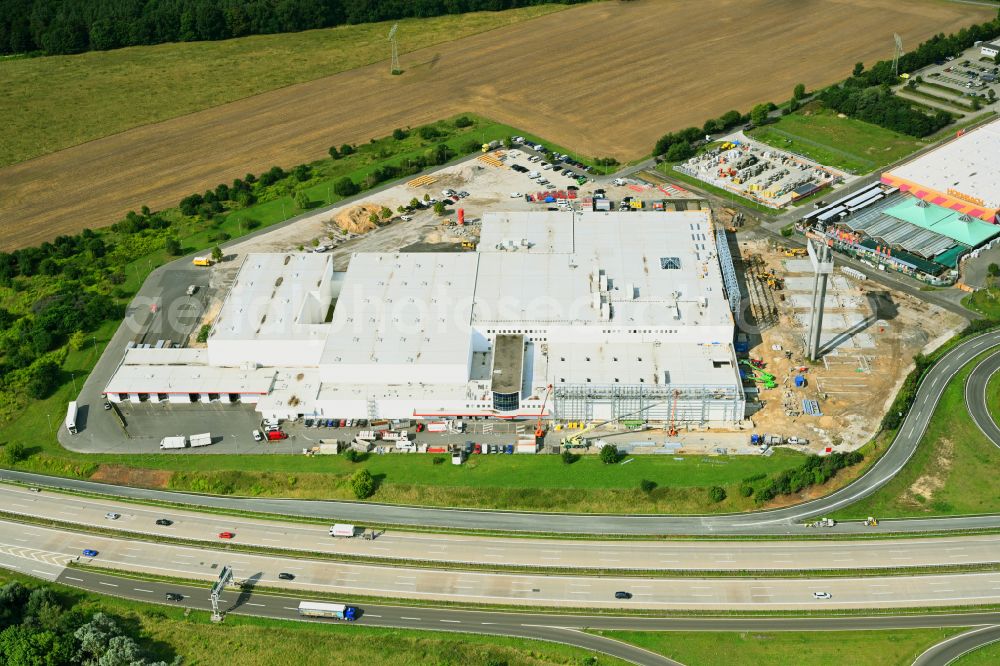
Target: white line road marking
x,y
253,604
44,573
139,589
79,580
371,615
487,623
101,582
451,621
415,619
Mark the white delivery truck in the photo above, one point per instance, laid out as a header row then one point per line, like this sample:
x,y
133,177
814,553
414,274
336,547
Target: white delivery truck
x,y
204,439
395,436
71,418
178,442
342,530
370,435
437,426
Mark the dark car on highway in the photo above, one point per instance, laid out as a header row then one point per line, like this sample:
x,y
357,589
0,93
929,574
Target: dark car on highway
x,y
286,576
165,522
623,595
173,596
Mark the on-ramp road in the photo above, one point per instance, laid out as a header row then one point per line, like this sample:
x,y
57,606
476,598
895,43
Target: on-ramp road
x,y
975,397
779,521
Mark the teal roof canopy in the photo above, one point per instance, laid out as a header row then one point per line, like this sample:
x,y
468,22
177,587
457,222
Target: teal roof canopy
x,y
954,225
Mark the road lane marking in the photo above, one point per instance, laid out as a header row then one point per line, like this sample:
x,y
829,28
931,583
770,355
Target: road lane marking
x,y
139,589
415,619
451,621
79,580
101,582
253,604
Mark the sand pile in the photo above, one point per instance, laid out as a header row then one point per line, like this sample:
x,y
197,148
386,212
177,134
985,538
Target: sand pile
x,y
357,219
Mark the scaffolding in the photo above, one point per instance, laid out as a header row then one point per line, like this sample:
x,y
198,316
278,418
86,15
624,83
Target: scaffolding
x,y
729,281
687,404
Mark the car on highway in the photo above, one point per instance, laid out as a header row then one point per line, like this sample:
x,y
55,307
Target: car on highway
x,y
173,596
822,595
226,535
166,522
284,575
621,594
111,515
89,552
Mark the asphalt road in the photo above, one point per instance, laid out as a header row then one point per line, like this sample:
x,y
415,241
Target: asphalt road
x,y
138,521
57,547
780,521
557,628
949,650
975,397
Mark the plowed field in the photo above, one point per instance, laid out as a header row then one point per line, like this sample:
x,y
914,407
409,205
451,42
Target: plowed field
x,y
605,79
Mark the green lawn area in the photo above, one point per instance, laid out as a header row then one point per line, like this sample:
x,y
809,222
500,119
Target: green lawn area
x,y
988,655
985,301
59,101
794,648
952,472
843,143
166,632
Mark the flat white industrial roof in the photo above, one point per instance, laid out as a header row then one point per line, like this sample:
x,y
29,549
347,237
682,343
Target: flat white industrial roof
x,y
267,300
173,356
404,308
657,268
642,363
968,164
189,379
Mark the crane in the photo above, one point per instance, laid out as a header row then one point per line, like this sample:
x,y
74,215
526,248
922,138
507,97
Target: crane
x,y
673,415
539,430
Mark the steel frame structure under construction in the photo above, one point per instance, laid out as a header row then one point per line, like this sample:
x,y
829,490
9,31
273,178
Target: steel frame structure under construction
x,y
689,404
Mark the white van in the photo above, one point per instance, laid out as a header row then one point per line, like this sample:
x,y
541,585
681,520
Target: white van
x,y
534,174
406,446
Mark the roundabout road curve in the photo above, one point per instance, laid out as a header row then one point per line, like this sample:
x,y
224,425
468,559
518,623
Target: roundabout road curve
x,y
776,522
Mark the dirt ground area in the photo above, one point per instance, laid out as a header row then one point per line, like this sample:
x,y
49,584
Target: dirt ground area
x,y
869,337
595,78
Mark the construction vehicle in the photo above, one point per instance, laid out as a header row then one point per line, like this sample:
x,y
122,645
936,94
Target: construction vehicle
x,y
794,251
822,522
672,431
202,261
759,376
539,430
871,521
468,245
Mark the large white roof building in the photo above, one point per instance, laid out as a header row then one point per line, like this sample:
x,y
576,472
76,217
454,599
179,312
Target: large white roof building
x,y
624,314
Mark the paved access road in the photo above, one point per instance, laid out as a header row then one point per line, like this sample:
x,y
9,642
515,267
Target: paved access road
x,y
52,546
975,397
779,521
558,628
139,520
949,650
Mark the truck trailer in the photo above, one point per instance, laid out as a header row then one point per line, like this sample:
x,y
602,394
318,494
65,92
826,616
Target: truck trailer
x,y
342,530
204,439
71,417
177,442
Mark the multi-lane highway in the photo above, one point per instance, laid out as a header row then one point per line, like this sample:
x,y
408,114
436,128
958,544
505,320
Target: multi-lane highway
x,y
138,520
54,546
779,521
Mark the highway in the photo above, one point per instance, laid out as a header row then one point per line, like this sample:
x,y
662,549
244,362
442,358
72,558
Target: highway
x,y
558,628
137,521
42,548
780,521
975,397
947,651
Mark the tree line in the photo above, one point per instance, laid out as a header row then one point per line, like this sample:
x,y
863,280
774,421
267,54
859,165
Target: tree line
x,y
41,626
73,26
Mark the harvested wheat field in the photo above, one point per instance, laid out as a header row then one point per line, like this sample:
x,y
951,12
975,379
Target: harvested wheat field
x,y
604,79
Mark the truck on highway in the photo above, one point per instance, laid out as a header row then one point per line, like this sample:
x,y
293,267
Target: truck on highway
x,y
342,530
177,442
204,439
71,417
334,611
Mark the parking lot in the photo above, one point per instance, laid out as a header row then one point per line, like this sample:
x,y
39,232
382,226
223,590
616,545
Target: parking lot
x,y
954,82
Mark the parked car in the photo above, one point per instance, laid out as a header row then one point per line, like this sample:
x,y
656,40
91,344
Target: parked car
x,y
307,423
191,289
516,195
331,423
226,535
111,515
257,436
286,576
88,552
477,448
107,405
621,594
173,596
275,435
343,423
166,522
509,448
405,218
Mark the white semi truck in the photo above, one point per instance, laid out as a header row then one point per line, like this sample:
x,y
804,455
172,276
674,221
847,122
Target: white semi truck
x,y
71,418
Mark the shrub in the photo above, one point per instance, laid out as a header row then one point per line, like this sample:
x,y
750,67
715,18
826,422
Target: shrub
x,y
351,455
463,121
568,457
14,453
346,187
609,454
647,486
203,333
399,134
363,484
746,490
717,493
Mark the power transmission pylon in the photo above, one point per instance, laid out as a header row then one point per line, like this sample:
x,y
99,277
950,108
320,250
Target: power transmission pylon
x,y
394,65
897,52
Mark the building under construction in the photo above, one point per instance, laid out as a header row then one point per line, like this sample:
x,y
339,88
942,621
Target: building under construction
x,y
624,315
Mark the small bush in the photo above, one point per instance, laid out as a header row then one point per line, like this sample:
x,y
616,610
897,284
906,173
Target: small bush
x,y
463,121
647,486
437,460
609,454
568,457
203,333
14,453
363,484
351,455
746,490
717,493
